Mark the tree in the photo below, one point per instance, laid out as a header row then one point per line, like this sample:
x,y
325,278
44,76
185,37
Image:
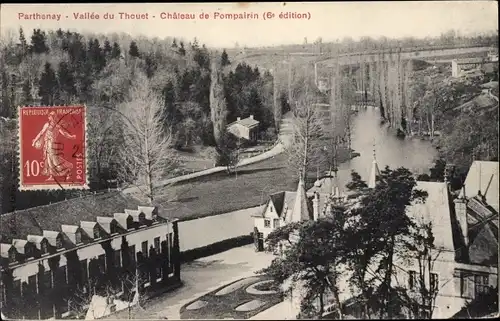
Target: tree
x,y
107,48
225,59
133,49
277,108
48,86
38,42
147,153
115,52
66,82
421,249
228,151
305,151
377,238
95,55
218,106
174,43
313,260
27,96
356,183
23,43
182,50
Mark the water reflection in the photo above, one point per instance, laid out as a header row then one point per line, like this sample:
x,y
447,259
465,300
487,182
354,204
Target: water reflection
x,y
412,153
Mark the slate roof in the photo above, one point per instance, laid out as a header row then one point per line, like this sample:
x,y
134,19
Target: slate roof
x,y
282,200
483,176
435,210
247,122
302,209
33,221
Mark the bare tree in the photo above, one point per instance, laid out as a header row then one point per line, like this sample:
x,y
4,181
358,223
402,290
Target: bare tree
x,y
147,154
277,108
305,151
424,285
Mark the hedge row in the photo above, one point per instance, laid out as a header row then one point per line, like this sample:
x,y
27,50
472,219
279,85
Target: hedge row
x,y
216,248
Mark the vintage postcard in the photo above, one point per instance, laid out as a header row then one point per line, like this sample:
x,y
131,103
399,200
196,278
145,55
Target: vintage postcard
x,y
246,160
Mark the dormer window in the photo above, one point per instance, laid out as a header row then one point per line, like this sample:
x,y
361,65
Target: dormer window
x,y
12,256
142,219
113,228
97,232
130,222
59,242
78,237
44,247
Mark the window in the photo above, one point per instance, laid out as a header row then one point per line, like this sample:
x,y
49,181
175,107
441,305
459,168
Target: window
x,y
131,252
32,283
434,283
63,274
84,269
270,209
12,256
144,248
276,223
102,262
47,280
267,223
480,284
59,242
16,288
142,219
412,279
97,232
78,237
118,258
2,295
157,244
44,247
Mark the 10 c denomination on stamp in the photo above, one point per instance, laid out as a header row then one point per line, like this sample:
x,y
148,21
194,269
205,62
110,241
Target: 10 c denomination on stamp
x,y
52,148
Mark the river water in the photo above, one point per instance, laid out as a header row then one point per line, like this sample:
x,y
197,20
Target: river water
x,y
415,154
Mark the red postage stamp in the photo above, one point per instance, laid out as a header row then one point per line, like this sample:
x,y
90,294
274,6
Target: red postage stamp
x,y
52,148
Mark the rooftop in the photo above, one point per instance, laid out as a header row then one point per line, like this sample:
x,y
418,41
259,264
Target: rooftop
x,y
247,122
435,210
483,177
33,221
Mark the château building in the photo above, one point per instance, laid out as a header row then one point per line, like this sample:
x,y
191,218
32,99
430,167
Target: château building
x,y
55,256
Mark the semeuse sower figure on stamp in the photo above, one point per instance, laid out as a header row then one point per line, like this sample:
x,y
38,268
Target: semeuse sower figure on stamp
x,y
54,163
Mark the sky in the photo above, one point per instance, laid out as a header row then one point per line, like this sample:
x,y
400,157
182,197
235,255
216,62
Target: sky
x,y
330,21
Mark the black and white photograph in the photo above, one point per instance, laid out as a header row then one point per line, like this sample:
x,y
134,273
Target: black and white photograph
x,y
249,160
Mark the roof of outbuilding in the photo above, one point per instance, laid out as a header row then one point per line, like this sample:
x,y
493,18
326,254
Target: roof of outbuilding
x,y
247,122
33,221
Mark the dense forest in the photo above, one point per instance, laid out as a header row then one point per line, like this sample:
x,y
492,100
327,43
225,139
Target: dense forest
x,y
64,67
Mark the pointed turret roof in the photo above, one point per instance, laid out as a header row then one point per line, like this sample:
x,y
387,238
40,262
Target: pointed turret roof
x,y
301,210
374,172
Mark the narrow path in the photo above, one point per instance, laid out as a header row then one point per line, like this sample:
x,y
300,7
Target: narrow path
x,y
284,139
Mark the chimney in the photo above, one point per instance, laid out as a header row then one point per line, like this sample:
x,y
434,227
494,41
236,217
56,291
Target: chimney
x,y
316,206
238,118
461,213
251,116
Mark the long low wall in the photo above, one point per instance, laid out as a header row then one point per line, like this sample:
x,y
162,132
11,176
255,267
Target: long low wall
x,y
212,229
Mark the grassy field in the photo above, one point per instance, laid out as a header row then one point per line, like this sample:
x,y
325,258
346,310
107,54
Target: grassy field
x,y
222,192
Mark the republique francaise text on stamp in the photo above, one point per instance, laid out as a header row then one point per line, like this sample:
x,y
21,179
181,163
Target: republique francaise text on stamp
x,y
52,148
